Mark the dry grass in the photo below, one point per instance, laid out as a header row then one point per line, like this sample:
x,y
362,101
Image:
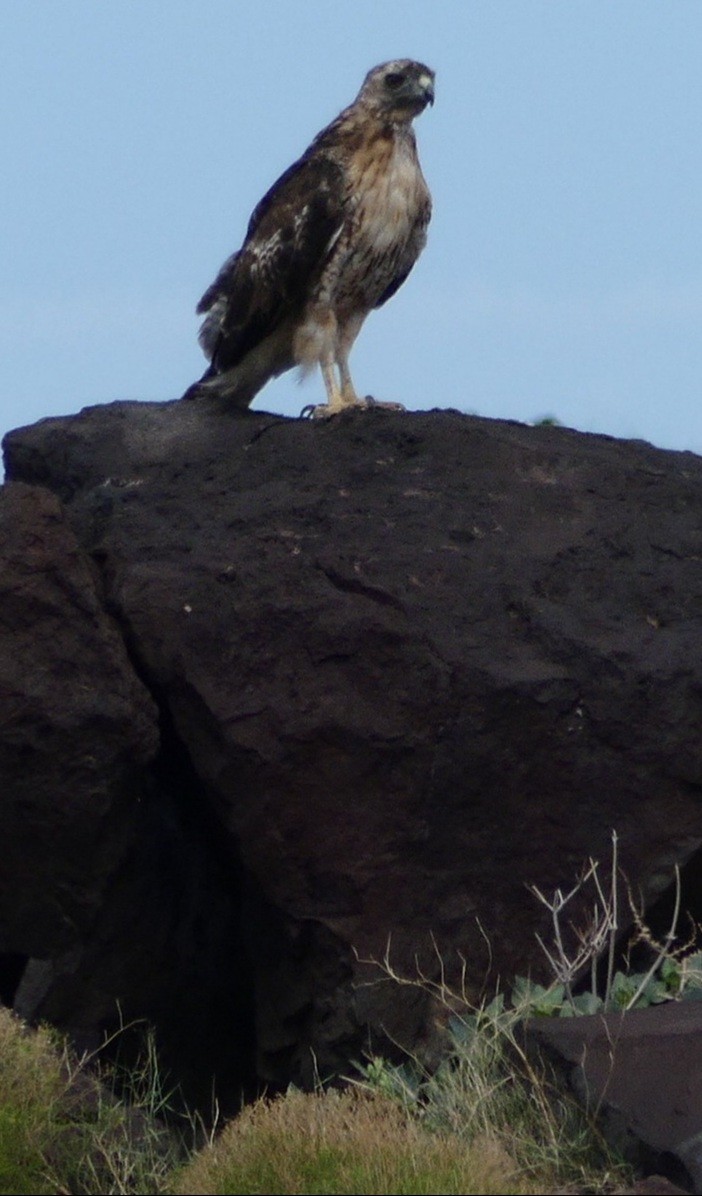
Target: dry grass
x,y
30,1089
485,1122
346,1142
62,1131
488,1085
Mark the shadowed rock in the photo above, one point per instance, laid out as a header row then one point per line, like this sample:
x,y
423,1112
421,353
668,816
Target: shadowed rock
x,y
76,730
641,1074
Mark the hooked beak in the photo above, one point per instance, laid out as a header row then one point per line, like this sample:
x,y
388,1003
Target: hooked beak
x,y
426,83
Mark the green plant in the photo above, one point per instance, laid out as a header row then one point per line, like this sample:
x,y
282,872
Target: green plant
x,y
488,1088
675,971
30,1126
62,1129
343,1142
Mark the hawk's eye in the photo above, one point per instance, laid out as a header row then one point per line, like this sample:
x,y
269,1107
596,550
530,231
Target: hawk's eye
x,y
394,81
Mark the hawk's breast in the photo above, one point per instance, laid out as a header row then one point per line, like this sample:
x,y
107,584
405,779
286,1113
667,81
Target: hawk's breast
x,y
391,211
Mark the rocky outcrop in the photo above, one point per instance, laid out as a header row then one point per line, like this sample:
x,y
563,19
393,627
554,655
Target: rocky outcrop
x,y
405,665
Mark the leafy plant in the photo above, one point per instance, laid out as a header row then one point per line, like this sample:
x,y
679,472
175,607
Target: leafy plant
x,y
488,1088
675,971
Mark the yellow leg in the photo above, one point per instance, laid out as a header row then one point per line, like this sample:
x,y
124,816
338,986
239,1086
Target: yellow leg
x,y
339,398
341,393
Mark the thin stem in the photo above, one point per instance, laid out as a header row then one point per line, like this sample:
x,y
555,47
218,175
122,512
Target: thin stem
x,y
614,919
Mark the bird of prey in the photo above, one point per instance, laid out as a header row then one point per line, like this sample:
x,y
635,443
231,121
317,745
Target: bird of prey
x,y
332,239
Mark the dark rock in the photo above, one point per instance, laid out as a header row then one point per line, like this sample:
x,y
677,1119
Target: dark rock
x,y
76,730
652,1185
641,1073
115,901
413,664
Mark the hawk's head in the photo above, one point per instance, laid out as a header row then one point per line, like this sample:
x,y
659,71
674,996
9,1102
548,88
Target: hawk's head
x,y
398,90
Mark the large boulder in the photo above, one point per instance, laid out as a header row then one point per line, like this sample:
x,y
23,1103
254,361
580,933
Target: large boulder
x,y
409,665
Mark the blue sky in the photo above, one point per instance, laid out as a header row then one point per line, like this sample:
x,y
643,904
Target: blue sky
x,y
563,273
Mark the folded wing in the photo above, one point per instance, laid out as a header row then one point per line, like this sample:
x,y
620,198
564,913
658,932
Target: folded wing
x,y
288,242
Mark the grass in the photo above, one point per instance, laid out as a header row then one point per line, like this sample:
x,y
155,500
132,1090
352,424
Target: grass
x,y
488,1089
62,1130
343,1142
489,1119
485,1122
29,1126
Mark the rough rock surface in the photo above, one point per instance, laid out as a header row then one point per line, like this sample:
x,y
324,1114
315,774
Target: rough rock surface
x,y
406,665
111,889
641,1072
70,704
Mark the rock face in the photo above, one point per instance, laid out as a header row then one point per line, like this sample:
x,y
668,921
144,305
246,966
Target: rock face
x,y
74,716
405,665
111,890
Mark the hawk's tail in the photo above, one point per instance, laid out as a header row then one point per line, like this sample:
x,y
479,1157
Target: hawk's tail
x,y
200,389
229,388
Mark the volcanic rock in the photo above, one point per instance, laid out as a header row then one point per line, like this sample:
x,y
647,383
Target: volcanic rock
x,y
77,729
640,1073
406,665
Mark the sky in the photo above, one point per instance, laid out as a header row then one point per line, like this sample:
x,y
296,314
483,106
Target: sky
x,y
563,271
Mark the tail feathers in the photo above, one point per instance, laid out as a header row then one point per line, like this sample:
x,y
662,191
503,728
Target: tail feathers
x,y
199,389
239,385
196,391
233,391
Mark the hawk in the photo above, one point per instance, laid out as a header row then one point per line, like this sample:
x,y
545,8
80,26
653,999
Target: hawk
x,y
333,238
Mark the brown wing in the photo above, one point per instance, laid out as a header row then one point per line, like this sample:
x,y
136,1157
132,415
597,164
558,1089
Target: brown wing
x,y
288,241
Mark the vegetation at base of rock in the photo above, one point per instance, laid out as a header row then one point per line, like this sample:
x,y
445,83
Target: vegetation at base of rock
x,y
488,1088
62,1130
488,1117
345,1142
674,971
466,1129
676,979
